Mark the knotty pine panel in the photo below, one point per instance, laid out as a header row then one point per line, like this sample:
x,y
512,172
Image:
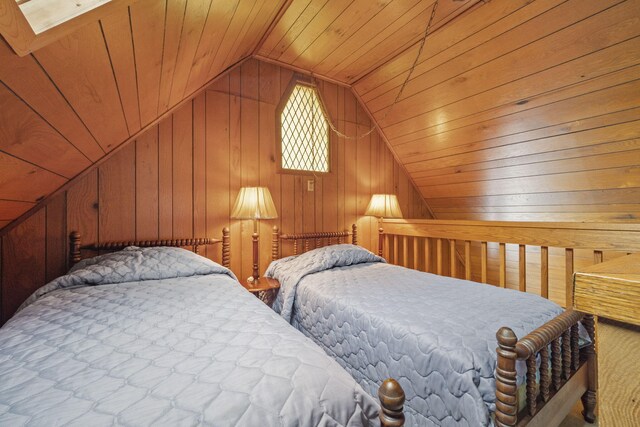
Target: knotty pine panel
x,y
180,179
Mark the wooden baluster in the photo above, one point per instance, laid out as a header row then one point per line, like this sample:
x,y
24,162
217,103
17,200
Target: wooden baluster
x,y
395,250
295,246
427,255
306,245
544,271
566,354
405,251
416,251
545,378
556,364
483,261
318,243
589,397
597,257
467,260
506,386
575,347
532,395
380,241
391,398
453,258
522,257
439,257
568,277
503,265
387,247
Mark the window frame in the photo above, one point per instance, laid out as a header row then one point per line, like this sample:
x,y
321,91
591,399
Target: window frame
x,y
303,81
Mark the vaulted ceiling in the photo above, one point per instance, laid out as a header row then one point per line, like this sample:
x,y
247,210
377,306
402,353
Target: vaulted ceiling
x,y
516,109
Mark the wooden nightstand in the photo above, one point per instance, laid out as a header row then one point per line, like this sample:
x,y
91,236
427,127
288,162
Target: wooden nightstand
x,y
265,288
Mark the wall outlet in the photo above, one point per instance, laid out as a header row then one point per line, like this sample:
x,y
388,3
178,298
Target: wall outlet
x,y
311,185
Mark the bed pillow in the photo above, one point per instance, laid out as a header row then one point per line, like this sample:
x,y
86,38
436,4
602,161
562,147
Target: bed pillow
x,y
289,271
133,264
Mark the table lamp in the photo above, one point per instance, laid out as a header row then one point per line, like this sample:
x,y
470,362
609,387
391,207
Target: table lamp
x,y
383,206
254,203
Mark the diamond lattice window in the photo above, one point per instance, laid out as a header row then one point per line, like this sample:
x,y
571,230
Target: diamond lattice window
x,y
304,132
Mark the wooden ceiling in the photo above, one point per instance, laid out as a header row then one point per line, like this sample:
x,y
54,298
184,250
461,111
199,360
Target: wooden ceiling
x,y
516,110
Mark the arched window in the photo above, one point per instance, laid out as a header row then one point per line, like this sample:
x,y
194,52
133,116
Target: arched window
x,y
304,131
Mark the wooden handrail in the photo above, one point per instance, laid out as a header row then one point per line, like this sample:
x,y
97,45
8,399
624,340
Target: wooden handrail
x,y
575,235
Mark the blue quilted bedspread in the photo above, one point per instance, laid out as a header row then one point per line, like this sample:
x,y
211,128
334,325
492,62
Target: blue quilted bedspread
x,y
436,335
163,337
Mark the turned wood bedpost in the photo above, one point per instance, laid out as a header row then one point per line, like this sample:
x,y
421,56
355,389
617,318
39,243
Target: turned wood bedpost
x,y
226,251
391,397
354,234
506,388
380,241
275,243
74,248
589,397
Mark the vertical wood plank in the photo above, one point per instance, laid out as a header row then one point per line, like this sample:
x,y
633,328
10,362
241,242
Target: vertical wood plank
x,y
27,269
117,196
165,179
503,264
544,271
183,172
218,165
416,258
56,237
199,168
522,268
146,181
82,207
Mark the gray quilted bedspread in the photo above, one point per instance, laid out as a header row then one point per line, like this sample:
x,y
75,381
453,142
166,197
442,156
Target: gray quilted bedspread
x,y
189,346
435,334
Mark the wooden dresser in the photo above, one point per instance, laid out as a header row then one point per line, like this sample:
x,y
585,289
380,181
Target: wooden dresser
x,y
611,291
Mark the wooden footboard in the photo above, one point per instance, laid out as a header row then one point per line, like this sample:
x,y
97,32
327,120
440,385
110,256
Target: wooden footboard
x,y
572,372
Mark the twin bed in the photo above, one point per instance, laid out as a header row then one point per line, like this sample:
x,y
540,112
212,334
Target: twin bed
x,y
162,336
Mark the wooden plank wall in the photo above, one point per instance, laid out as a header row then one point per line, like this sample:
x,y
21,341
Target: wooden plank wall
x,y
70,103
521,111
180,179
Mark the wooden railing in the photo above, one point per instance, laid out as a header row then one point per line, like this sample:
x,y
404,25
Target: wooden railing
x,y
457,238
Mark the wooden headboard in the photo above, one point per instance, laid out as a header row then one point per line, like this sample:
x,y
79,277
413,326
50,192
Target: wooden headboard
x,y
310,240
76,247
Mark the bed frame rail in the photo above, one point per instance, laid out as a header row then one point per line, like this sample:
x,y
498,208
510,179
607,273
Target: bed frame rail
x,y
303,242
76,247
558,338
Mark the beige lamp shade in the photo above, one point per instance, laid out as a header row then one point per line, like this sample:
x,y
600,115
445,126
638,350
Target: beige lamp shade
x,y
384,206
254,203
